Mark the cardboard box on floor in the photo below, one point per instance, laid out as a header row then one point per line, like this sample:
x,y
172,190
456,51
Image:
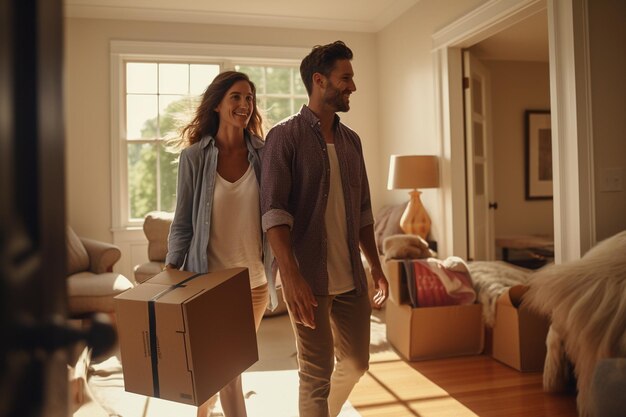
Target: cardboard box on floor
x,y
519,334
430,332
184,336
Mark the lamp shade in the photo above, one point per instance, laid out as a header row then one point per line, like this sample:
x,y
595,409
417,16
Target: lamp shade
x,y
413,171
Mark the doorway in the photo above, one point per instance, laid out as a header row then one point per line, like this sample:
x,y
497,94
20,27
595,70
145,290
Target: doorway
x,y
508,75
574,226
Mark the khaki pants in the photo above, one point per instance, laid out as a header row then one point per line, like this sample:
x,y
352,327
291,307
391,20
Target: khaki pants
x,y
231,395
341,334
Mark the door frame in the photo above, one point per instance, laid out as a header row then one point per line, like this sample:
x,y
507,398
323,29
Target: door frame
x,y
572,145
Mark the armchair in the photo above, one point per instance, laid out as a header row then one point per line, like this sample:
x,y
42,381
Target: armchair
x,y
91,284
156,227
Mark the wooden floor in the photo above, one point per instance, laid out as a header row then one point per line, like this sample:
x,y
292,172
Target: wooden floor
x,y
463,386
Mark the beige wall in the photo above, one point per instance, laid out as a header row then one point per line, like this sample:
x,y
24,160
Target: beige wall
x,y
608,99
88,100
406,83
515,88
407,88
393,109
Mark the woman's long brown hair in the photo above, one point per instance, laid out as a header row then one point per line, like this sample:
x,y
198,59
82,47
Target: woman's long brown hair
x,y
207,120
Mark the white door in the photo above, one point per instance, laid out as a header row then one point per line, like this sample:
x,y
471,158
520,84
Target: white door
x,y
478,151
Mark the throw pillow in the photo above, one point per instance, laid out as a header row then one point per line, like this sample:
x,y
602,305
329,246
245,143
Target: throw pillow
x,y
387,223
406,247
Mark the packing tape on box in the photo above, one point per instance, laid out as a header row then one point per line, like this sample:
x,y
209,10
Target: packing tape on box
x,y
154,358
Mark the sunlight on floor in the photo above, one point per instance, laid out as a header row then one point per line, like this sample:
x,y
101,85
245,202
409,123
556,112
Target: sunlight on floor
x,y
390,388
393,388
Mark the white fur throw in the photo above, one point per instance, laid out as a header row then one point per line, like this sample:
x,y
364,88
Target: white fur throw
x,y
586,300
491,279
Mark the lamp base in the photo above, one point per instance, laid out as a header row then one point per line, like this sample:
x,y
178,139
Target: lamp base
x,y
415,219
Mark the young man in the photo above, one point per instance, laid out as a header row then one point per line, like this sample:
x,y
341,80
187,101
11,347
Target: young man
x,y
316,209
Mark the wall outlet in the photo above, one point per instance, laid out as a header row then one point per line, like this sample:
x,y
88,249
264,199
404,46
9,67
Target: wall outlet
x,y
612,179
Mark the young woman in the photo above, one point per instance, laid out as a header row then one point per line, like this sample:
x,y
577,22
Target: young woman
x,y
217,222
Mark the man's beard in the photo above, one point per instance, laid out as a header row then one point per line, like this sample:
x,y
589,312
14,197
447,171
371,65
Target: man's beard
x,y
335,98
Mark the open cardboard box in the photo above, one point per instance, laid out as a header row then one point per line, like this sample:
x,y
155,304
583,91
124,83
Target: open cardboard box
x,y
519,334
430,332
184,336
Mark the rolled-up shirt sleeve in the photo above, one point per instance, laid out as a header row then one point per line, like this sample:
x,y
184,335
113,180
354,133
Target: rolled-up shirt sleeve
x,y
276,180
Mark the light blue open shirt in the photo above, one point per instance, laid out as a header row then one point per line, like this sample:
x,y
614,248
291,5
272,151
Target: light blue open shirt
x,y
189,234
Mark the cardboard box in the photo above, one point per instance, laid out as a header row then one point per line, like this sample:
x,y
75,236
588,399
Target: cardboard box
x,y
183,336
519,334
398,291
430,332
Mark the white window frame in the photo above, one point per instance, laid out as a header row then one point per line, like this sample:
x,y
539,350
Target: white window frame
x,y
122,51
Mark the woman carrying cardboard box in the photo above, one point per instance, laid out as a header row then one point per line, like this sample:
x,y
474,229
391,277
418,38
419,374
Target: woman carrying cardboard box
x,y
217,223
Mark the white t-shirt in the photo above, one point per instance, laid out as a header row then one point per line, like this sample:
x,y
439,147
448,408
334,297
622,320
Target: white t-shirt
x,y
338,255
235,239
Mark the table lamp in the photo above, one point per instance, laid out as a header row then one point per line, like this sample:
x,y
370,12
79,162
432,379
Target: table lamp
x,y
413,172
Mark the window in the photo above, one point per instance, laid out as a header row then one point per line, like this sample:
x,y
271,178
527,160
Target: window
x,y
155,92
160,99
280,91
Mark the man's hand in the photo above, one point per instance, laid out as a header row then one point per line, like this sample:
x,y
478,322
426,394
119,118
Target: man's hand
x,y
368,246
381,285
300,299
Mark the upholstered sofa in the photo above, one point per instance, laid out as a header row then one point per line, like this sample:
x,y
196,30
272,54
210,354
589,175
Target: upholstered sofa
x,y
91,282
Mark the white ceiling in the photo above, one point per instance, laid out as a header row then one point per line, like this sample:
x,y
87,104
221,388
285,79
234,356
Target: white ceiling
x,y
344,15
526,41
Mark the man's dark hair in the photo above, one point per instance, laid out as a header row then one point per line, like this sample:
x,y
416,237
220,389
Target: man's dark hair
x,y
322,59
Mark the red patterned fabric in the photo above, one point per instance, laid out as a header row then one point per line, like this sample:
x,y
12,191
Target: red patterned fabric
x,y
433,283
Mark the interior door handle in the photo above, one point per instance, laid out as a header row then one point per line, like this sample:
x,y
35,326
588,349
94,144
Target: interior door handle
x,y
493,205
100,335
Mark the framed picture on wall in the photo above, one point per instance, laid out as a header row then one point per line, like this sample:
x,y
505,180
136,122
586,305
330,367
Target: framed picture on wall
x,y
538,155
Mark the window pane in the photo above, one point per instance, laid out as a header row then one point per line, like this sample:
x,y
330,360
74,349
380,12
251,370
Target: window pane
x,y
141,78
169,173
200,76
298,85
261,105
173,78
256,76
141,179
278,109
297,104
174,112
141,116
278,80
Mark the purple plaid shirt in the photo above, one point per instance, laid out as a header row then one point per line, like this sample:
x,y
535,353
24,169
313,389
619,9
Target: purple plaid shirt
x,y
295,179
